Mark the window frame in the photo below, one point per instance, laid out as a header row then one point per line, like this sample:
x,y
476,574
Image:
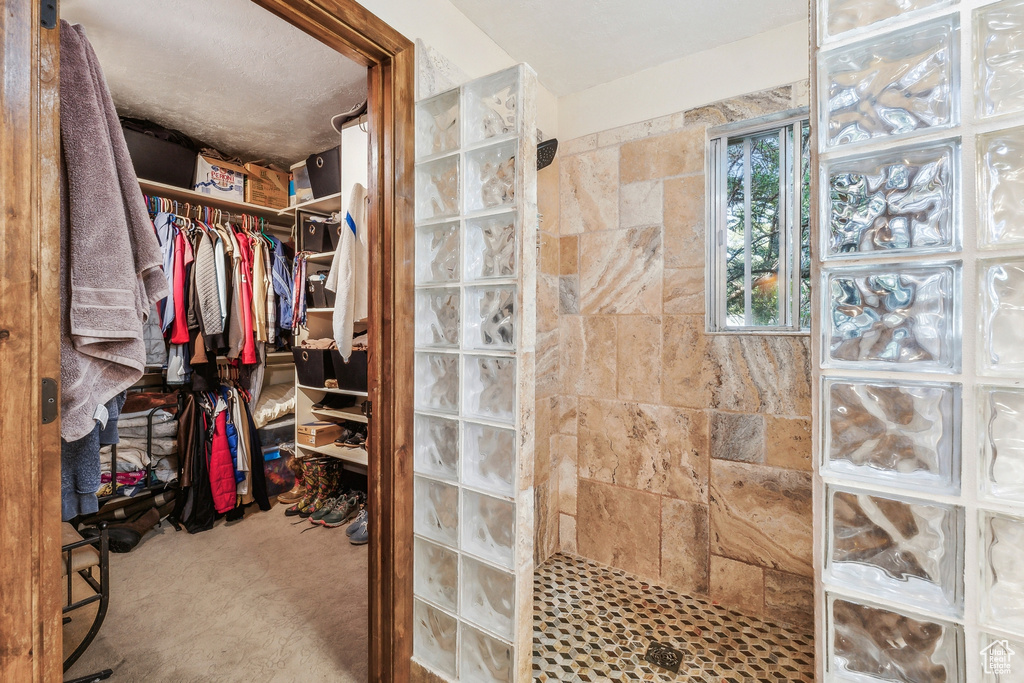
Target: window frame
x,y
716,233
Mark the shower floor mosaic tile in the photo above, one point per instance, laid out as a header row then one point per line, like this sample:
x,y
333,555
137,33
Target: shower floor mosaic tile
x,y
595,623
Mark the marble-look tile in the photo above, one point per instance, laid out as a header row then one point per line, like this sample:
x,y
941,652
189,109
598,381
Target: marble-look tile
x,y
643,129
589,191
547,303
620,527
663,156
569,255
767,374
737,585
564,449
567,534
762,515
646,447
789,598
587,350
569,294
742,108
620,271
547,383
802,93
639,350
548,263
683,291
545,515
565,415
684,546
640,204
543,430
737,436
684,222
548,200
583,143
788,442
683,350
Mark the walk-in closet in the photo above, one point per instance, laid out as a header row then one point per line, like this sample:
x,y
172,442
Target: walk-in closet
x,y
223,490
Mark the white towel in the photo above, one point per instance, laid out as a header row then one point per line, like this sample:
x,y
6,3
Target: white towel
x,y
349,276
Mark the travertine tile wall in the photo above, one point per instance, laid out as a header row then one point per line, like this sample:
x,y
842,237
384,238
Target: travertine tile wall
x,y
682,457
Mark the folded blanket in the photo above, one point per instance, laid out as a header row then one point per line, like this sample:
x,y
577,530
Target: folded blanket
x,y
141,419
160,429
162,446
128,459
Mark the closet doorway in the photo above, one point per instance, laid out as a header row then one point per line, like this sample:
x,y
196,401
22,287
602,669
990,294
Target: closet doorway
x,y
30,574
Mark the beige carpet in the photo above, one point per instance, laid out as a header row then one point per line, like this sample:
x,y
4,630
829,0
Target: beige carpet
x,y
254,600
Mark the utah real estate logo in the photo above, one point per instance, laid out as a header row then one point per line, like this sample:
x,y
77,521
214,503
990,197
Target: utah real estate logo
x,y
996,656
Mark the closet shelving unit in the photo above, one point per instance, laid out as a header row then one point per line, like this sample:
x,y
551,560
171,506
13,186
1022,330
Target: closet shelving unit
x,y
326,205
182,194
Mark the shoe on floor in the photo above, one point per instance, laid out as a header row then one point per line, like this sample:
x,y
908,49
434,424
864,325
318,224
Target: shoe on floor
x,y
361,536
343,511
328,506
360,518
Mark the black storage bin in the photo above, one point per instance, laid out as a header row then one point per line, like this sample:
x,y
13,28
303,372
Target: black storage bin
x,y
350,375
317,295
160,160
318,236
325,172
313,366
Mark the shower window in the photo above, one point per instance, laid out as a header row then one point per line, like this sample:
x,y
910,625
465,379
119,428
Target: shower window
x,y
759,261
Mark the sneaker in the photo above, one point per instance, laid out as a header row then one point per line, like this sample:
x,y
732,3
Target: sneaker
x,y
343,510
360,518
361,536
326,509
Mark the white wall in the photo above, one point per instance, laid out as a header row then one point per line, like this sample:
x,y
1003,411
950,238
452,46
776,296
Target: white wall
x,y
760,62
354,153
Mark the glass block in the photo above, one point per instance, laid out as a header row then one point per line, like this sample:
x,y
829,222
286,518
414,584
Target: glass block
x,y
898,548
436,506
490,462
492,106
491,247
437,573
490,387
490,318
437,124
437,254
1002,602
1001,430
488,597
848,15
489,527
897,317
437,189
437,382
894,203
903,433
435,638
491,176
1002,316
483,659
999,58
437,447
868,643
1001,659
1001,188
437,317
891,85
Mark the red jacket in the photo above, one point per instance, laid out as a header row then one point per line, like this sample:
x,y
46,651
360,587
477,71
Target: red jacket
x,y
222,473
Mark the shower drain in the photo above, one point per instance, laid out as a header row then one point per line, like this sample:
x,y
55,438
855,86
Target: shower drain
x,y
664,657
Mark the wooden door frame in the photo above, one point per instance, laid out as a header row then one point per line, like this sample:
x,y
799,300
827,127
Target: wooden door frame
x,y
30,573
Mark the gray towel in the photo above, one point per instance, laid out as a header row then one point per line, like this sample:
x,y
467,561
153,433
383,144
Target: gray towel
x,y
110,258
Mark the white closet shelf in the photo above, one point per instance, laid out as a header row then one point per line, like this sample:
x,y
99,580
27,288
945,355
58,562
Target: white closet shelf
x,y
322,256
319,310
346,392
357,456
354,414
181,194
328,204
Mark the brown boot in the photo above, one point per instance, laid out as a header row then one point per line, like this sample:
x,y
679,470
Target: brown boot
x,y
313,473
299,490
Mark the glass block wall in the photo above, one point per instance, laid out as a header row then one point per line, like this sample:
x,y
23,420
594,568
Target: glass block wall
x,y
920,260
476,237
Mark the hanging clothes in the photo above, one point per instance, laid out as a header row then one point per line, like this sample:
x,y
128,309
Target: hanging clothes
x,y
349,273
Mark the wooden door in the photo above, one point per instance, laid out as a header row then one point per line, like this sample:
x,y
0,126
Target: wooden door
x,y
30,590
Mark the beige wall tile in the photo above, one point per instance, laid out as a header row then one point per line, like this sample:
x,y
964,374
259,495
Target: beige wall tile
x,y
684,546
569,294
571,349
620,527
576,145
737,436
639,350
646,447
762,515
737,585
545,516
789,598
620,271
684,381
788,442
635,131
743,107
569,255
563,449
542,457
547,197
549,254
598,376
589,191
640,204
567,534
684,222
683,291
663,156
565,415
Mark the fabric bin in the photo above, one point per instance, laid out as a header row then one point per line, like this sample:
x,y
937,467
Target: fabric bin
x,y
278,475
317,293
317,234
161,161
324,171
313,366
350,375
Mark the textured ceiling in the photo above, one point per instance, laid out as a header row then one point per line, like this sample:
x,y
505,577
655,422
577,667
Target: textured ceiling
x,y
576,44
226,72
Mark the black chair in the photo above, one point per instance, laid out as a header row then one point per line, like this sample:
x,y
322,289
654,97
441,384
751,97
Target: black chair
x,y
80,556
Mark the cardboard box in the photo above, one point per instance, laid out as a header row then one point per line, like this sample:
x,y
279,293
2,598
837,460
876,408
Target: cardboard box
x,y
319,433
220,179
266,187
